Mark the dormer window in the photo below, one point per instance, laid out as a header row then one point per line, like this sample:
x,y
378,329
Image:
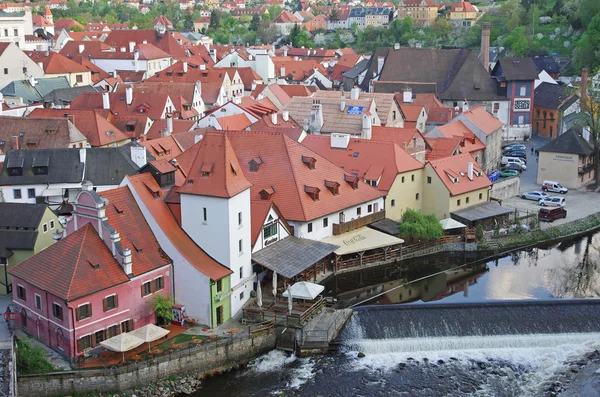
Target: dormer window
x,y
309,162
234,169
266,193
313,192
255,164
51,129
352,180
333,187
131,126
206,169
15,167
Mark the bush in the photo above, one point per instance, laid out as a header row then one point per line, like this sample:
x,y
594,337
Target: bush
x,y
31,360
418,226
163,306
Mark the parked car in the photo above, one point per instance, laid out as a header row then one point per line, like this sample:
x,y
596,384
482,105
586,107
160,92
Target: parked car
x,y
537,196
513,166
554,187
553,201
507,160
515,146
519,155
549,214
508,173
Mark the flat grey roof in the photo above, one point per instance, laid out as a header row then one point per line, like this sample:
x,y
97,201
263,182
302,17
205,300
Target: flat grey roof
x,y
292,255
481,211
387,226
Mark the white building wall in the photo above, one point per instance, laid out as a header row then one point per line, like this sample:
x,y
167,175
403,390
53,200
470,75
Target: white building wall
x,y
282,232
14,60
319,232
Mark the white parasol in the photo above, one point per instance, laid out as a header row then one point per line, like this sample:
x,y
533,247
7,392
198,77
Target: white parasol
x,y
259,295
150,333
275,284
122,343
304,290
289,301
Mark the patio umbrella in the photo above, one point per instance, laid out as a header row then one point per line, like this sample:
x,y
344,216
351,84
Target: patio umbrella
x,y
122,343
304,290
289,301
150,333
275,284
259,296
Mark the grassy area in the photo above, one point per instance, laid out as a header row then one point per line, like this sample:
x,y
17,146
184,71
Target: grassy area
x,y
31,360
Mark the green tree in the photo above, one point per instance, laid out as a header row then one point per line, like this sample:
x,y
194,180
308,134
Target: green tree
x,y
407,26
513,14
587,10
334,16
418,226
31,360
588,47
255,22
188,21
442,28
162,306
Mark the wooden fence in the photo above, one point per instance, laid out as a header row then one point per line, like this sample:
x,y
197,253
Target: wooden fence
x,y
340,228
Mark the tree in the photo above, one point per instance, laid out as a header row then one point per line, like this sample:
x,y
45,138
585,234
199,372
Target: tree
x,y
587,10
162,306
418,226
320,40
254,22
334,15
442,28
407,26
590,117
188,21
513,13
588,54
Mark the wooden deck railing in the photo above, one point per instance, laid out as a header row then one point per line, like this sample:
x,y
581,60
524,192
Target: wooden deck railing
x,y
340,228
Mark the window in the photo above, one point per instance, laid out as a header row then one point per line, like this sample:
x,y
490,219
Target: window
x,y
204,213
16,32
402,179
126,326
467,200
219,285
112,330
239,219
242,295
370,208
159,283
84,343
240,246
21,293
412,178
310,227
394,115
393,203
429,179
6,32
45,227
52,224
358,211
38,302
99,336
30,193
523,91
83,312
146,288
480,196
5,70
241,272
270,230
325,222
24,70
17,193
110,302
79,78
417,196
458,203
57,311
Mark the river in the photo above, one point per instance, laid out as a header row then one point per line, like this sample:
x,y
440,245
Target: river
x,y
413,347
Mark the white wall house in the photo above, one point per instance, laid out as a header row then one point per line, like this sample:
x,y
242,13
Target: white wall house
x,y
15,26
261,63
16,65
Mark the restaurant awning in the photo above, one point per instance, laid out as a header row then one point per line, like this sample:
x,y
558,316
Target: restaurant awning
x,y
292,255
480,212
304,290
361,239
449,223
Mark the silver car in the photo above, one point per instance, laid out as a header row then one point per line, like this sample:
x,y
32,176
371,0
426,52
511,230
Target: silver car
x,y
553,201
536,196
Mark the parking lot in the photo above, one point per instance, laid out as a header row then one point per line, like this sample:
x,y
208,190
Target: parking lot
x,y
579,203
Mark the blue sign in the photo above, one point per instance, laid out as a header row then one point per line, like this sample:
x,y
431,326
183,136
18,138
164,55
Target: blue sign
x,y
355,109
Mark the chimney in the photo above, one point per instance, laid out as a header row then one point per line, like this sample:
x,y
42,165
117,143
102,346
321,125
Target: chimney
x,y
81,48
342,103
285,52
32,81
138,155
354,92
71,118
295,58
470,170
82,158
57,235
169,126
484,53
340,141
282,70
366,126
584,83
253,86
131,46
407,95
197,138
115,75
105,101
185,66
237,100
274,118
465,105
396,46
136,65
41,65
123,49
380,62
129,95
127,266
316,117
202,67
285,115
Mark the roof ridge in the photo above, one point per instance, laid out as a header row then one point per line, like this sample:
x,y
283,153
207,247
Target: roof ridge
x,y
85,231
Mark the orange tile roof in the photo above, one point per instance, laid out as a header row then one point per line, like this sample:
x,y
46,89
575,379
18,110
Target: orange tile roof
x,y
216,170
411,112
457,166
349,60
144,184
483,119
468,141
286,17
66,24
159,128
146,104
442,147
55,63
162,166
164,148
234,123
80,36
74,275
247,75
465,7
281,169
38,20
400,136
370,160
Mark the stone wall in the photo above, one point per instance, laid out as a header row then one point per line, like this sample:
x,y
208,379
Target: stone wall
x,y
222,355
506,188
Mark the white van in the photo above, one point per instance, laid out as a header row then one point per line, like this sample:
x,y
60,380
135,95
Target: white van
x,y
551,186
508,160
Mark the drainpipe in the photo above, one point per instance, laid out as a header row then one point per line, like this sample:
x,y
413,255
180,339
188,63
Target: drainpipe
x,y
72,342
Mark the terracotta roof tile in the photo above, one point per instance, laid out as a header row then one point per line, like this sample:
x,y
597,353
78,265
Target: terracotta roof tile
x,y
165,148
457,167
159,128
483,119
411,112
442,147
55,63
235,122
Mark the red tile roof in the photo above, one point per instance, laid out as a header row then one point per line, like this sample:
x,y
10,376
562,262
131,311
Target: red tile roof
x,y
411,112
400,136
55,63
144,184
74,275
442,147
66,24
453,167
469,143
164,148
235,122
159,128
370,160
216,170
286,17
146,104
167,42
483,119
85,36
259,210
464,6
38,20
247,75
102,50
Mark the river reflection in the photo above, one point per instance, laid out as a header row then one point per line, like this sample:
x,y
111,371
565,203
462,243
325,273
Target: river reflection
x,y
568,269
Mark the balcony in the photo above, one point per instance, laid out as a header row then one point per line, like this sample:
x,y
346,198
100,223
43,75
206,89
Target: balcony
x,y
345,227
586,168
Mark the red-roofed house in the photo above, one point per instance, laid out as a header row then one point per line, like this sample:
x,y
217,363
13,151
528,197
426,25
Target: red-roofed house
x,y
318,22
453,183
285,22
442,147
110,267
409,139
67,24
468,142
465,13
422,12
162,23
57,65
